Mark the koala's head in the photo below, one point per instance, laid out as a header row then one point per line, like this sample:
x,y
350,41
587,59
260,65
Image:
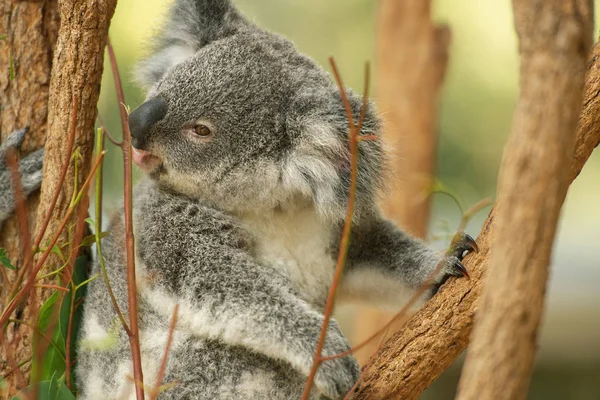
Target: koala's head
x,y
237,117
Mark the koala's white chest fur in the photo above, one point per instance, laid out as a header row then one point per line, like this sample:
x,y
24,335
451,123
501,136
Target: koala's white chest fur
x,y
297,244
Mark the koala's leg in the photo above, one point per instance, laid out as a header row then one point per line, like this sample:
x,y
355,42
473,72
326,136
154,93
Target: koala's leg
x,y
386,266
30,168
253,309
210,369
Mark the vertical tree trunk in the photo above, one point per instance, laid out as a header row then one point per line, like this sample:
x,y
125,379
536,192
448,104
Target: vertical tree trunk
x,y
28,35
411,60
76,74
554,39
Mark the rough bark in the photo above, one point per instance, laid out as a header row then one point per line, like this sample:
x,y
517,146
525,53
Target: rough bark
x,y
29,31
411,61
434,337
554,43
76,73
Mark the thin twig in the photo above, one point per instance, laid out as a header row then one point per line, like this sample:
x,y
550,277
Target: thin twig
x,y
49,286
75,248
163,365
107,133
345,240
28,286
129,236
27,255
97,229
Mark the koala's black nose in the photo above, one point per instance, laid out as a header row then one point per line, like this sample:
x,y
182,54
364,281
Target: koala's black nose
x,y
143,118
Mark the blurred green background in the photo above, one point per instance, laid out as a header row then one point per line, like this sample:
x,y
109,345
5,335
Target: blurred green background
x,y
475,116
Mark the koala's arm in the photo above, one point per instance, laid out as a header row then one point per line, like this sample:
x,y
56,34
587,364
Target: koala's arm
x,y
30,168
387,266
203,264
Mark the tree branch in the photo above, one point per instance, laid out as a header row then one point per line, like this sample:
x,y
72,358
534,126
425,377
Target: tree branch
x,y
554,43
434,337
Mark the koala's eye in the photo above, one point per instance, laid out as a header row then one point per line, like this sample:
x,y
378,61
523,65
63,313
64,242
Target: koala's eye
x,y
202,130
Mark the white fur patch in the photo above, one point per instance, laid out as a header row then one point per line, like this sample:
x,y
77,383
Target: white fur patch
x,y
92,330
232,326
296,244
371,286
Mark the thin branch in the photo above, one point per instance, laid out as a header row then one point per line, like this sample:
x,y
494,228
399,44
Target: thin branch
x,y
163,364
345,240
98,229
28,286
75,248
129,236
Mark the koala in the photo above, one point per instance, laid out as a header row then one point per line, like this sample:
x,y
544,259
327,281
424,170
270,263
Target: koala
x,y
244,144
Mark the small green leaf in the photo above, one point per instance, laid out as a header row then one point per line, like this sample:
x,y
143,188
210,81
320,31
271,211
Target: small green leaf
x,y
46,312
91,239
90,221
54,358
56,250
52,389
3,37
4,260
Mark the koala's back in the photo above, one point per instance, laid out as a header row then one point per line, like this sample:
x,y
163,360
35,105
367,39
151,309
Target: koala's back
x,y
199,367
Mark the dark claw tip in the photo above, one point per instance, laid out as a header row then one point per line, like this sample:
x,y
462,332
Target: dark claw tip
x,y
461,268
472,243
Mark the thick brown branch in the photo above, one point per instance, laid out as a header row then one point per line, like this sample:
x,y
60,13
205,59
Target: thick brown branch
x,y
412,56
439,333
554,43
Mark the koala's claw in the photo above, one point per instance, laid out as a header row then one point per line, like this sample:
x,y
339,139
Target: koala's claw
x,y
461,243
461,269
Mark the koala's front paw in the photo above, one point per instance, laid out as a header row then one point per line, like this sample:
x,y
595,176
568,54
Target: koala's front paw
x,y
461,243
335,378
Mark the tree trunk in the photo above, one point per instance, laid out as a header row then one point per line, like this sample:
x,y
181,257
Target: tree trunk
x,y
76,74
411,60
26,50
433,338
554,43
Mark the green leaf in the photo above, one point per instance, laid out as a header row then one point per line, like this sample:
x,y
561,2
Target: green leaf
x,y
79,275
4,260
90,221
3,37
52,389
56,250
54,363
46,312
90,239
54,359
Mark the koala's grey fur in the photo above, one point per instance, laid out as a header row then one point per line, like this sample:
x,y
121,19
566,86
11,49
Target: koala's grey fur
x,y
241,229
30,168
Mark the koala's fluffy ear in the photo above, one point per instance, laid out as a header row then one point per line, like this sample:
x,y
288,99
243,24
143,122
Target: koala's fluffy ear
x,y
319,165
190,25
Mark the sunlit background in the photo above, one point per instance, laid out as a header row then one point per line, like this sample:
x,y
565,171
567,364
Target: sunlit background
x,y
475,116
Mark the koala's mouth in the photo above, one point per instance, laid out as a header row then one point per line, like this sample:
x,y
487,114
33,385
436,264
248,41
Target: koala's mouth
x,y
144,159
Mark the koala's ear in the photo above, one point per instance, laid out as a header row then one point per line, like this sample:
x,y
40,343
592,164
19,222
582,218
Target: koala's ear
x,y
319,163
190,25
